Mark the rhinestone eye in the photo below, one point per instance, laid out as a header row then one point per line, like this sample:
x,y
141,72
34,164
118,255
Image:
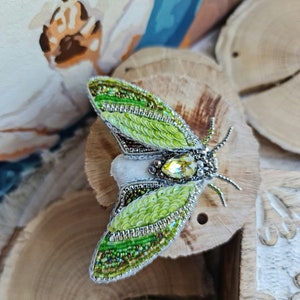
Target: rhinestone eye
x,y
157,163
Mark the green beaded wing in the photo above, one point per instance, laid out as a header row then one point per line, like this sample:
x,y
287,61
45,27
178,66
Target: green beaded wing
x,y
139,119
142,230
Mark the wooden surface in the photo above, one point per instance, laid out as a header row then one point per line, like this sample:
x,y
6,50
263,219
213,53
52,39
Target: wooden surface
x,y
278,238
50,260
169,61
270,240
196,102
258,49
230,256
261,59
247,272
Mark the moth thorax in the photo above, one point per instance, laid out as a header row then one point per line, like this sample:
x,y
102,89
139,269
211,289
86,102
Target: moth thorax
x,y
210,166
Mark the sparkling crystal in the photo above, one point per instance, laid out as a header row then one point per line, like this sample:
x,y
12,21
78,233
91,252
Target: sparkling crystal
x,y
180,167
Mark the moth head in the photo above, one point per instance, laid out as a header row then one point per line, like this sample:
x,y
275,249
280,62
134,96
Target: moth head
x,y
192,164
208,157
207,164
182,166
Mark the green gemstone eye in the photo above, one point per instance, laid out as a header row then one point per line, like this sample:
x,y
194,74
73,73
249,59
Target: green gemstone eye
x,y
182,167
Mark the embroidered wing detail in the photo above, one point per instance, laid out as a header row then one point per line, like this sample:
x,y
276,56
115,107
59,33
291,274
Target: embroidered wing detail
x,y
140,121
142,230
133,190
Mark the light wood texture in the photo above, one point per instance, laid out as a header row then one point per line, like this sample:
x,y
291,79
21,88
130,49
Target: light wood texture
x,y
101,149
247,272
260,53
196,102
50,260
275,114
278,243
262,60
270,250
184,62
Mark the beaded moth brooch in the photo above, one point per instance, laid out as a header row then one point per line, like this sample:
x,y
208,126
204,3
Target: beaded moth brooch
x,y
150,212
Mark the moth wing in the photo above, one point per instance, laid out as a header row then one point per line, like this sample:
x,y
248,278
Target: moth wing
x,y
136,116
142,230
133,190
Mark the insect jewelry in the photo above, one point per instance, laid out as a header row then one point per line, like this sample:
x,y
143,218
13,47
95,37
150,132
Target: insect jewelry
x,y
150,212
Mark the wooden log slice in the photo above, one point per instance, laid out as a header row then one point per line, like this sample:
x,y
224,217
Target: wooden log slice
x,y
270,264
259,51
50,260
196,102
248,267
184,62
274,157
150,55
274,113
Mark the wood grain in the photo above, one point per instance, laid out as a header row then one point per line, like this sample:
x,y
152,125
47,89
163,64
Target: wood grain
x,y
261,59
50,260
278,239
181,62
248,267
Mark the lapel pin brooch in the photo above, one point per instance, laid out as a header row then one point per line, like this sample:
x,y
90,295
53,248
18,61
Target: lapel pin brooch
x,y
150,212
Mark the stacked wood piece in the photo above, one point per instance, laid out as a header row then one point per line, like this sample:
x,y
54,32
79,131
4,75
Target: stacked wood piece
x,y
259,51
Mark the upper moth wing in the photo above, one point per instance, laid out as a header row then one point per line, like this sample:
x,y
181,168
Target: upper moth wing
x,y
142,230
137,116
133,190
130,146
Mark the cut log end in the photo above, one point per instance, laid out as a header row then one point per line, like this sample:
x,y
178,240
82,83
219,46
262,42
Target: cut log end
x,y
261,59
50,260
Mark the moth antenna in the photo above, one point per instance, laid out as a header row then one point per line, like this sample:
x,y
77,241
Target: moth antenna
x,y
223,142
219,192
210,131
222,177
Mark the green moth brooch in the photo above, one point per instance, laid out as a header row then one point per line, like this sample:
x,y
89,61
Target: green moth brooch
x,y
151,211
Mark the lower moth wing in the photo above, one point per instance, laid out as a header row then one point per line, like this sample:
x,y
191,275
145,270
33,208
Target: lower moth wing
x,y
120,259
136,116
142,230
